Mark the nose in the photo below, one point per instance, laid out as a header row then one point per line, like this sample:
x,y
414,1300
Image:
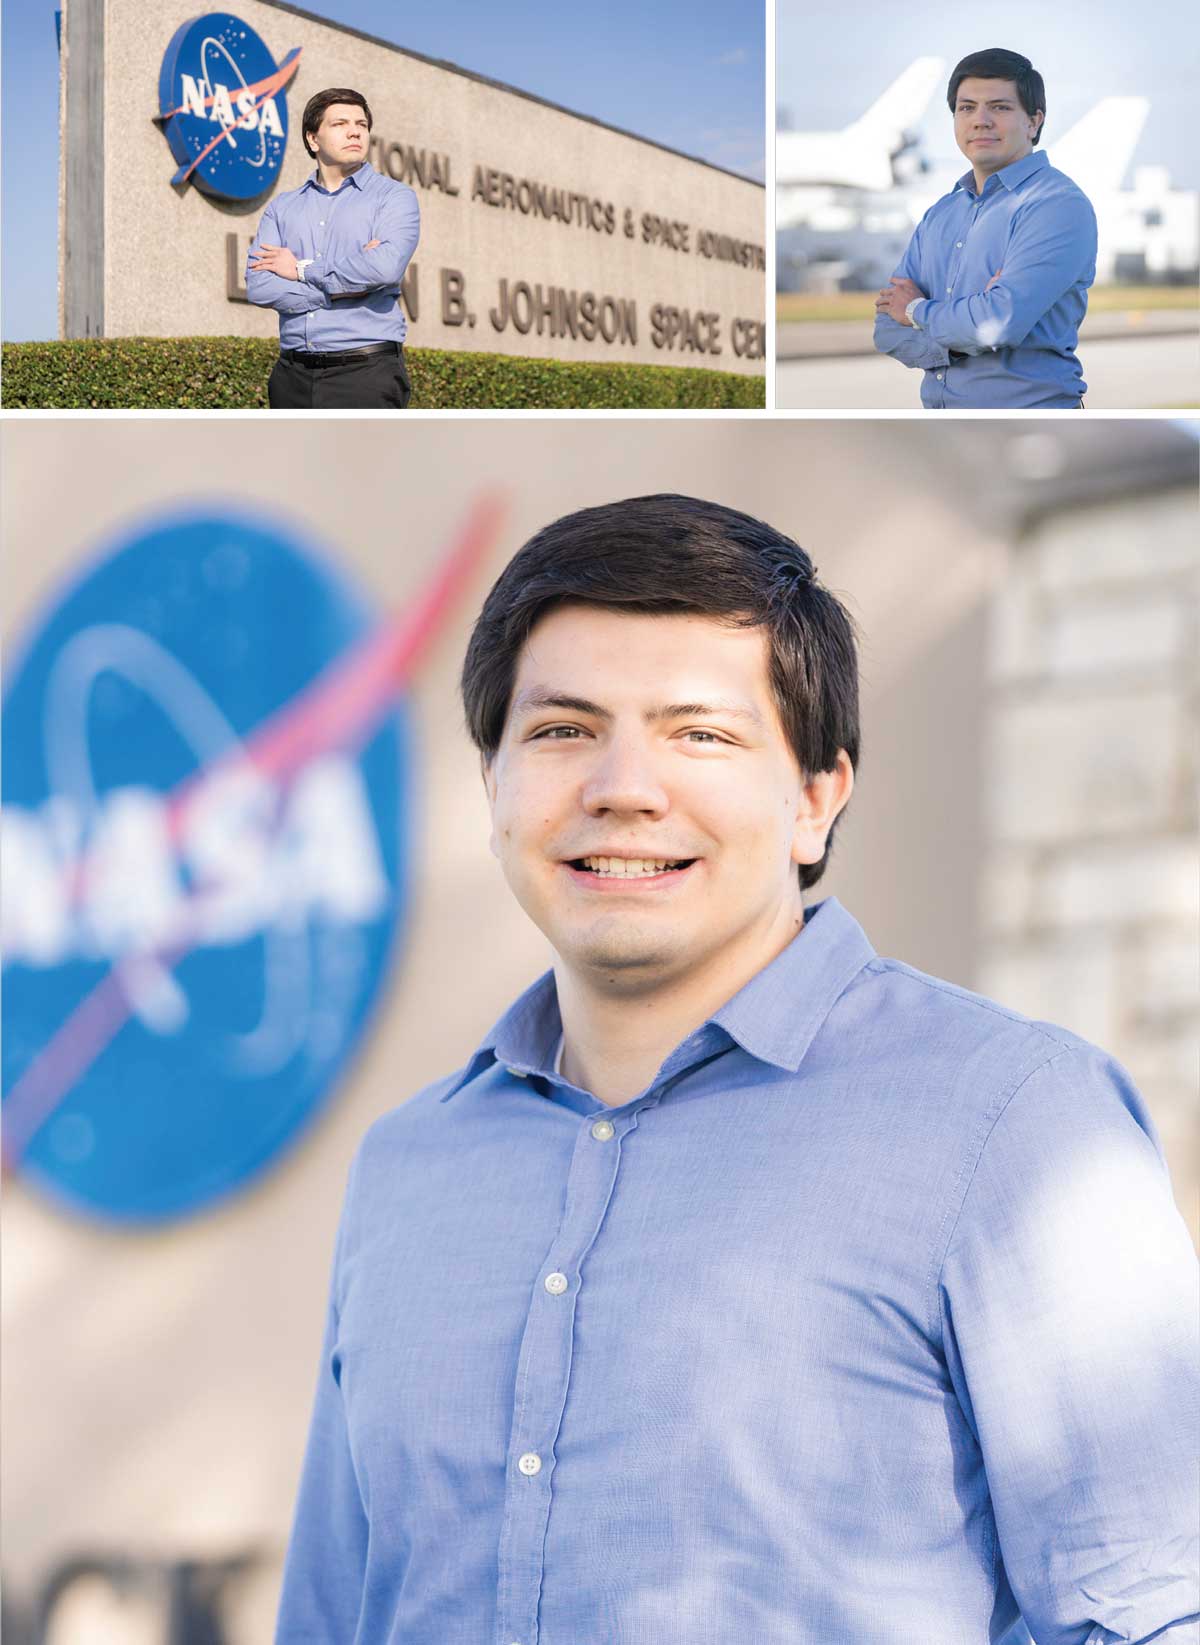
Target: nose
x,y
624,782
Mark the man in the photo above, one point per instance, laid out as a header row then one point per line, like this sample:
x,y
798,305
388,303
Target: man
x,y
743,1285
330,256
990,294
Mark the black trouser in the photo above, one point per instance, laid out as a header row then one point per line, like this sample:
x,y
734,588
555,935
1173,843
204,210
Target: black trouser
x,y
322,382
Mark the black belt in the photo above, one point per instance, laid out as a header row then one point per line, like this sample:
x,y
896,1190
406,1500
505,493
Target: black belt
x,y
346,357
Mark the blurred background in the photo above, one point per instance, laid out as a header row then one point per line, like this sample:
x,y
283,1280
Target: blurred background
x,y
1025,824
865,145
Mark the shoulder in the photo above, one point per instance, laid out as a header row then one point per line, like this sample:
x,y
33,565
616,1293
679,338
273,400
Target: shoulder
x,y
407,1125
389,188
958,1036
1051,185
285,197
999,1062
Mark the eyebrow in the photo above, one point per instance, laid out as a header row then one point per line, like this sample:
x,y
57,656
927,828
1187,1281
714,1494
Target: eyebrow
x,y
536,697
969,102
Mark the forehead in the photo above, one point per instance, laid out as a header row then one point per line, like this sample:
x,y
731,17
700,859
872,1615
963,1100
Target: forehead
x,y
632,657
986,91
344,111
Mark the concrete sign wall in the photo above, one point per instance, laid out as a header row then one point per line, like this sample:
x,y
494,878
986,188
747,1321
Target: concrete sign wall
x,y
543,232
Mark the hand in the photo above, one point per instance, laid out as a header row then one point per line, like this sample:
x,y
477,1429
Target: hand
x,y
277,260
993,279
371,244
896,297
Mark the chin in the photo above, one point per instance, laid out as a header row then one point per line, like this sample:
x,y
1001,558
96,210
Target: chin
x,y
625,957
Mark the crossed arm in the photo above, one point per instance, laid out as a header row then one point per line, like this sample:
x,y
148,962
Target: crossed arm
x,y
274,279
1050,249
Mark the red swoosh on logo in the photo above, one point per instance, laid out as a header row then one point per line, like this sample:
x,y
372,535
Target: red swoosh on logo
x,y
344,702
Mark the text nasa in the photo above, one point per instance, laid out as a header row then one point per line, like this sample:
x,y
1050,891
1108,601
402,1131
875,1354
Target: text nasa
x,y
250,854
249,117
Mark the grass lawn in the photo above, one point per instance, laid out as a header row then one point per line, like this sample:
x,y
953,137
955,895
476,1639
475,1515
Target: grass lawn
x,y
860,305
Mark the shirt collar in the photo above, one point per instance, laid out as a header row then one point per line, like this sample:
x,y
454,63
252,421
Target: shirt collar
x,y
774,1017
358,178
1011,176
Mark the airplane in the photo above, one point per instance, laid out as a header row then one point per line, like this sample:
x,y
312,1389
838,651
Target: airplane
x,y
870,152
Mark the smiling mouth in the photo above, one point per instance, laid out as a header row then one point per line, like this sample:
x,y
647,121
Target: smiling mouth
x,y
629,868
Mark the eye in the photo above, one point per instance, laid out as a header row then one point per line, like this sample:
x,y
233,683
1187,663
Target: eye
x,y
708,736
557,733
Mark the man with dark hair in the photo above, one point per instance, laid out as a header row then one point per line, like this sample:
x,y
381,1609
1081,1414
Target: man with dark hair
x,y
330,256
743,1284
989,296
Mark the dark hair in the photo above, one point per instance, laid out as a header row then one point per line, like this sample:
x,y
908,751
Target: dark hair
x,y
998,64
668,554
314,109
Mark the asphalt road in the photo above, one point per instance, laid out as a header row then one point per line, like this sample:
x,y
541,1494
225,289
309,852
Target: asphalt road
x,y
1123,374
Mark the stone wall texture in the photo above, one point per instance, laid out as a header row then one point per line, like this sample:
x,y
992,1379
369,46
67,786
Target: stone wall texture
x,y
1092,886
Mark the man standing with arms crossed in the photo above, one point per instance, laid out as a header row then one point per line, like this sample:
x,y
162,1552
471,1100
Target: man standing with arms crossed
x,y
989,296
329,257
743,1285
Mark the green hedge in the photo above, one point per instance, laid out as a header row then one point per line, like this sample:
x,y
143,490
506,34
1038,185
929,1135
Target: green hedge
x,y
230,373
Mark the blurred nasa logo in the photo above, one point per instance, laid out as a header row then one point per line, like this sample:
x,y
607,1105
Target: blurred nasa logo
x,y
205,794
223,106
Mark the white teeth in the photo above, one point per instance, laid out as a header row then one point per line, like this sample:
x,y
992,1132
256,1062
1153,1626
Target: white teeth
x,y
628,867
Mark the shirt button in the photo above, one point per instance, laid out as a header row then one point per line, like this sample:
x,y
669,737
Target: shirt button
x,y
602,1130
556,1284
949,288
515,1072
941,377
530,1463
958,245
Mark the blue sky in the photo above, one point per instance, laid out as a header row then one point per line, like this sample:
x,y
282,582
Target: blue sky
x,y
688,73
828,75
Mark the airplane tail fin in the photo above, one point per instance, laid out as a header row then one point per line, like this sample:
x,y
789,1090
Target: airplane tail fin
x,y
1096,152
903,104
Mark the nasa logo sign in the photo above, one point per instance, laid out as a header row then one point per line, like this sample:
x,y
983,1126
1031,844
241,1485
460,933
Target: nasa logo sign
x,y
223,106
206,786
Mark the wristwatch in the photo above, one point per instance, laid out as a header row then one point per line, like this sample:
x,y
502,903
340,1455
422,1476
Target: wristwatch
x,y
301,264
910,316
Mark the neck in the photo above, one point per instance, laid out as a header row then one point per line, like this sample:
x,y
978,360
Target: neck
x,y
614,1043
332,176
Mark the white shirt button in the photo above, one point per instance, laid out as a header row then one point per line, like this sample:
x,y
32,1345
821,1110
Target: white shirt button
x,y
602,1130
556,1284
515,1072
949,288
941,376
958,245
530,1463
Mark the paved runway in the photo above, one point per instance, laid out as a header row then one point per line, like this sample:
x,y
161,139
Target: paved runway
x,y
1123,374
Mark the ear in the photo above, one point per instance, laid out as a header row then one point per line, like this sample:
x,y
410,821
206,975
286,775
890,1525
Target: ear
x,y
822,798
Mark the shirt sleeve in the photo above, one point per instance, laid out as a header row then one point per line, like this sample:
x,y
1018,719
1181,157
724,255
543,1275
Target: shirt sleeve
x,y
1051,248
272,290
905,343
325,1568
397,228
1068,1302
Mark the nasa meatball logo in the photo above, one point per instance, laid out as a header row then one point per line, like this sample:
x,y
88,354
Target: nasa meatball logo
x,y
206,786
223,106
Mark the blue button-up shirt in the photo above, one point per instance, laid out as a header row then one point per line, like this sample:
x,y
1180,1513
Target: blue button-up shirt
x,y
868,1322
348,295
1013,345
